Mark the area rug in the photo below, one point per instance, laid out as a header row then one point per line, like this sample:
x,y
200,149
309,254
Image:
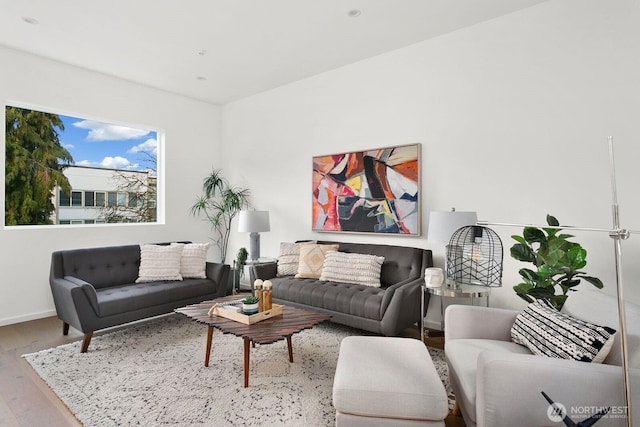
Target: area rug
x,y
153,373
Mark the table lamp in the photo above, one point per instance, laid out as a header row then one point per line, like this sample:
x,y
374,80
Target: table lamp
x,y
442,225
253,222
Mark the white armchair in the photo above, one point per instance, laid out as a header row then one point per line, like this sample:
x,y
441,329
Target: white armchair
x,y
499,383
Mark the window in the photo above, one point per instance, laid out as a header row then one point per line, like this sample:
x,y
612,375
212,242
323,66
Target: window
x,y
100,199
89,198
112,198
133,200
76,198
63,199
94,172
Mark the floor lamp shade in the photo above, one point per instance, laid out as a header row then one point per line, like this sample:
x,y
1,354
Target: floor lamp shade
x,y
253,222
442,225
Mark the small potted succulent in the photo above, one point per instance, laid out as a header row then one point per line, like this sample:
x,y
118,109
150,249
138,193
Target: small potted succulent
x,y
250,305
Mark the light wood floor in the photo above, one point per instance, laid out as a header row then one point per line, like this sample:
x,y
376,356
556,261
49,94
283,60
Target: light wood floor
x,y
26,400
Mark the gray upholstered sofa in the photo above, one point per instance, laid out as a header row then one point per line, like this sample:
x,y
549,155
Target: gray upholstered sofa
x,y
498,383
95,288
386,310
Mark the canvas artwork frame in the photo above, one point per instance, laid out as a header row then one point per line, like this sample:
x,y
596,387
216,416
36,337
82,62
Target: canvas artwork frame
x,y
370,191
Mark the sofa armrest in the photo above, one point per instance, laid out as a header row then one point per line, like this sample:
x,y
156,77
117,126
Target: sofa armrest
x,y
88,290
509,389
217,272
265,271
401,306
464,321
390,290
76,301
404,283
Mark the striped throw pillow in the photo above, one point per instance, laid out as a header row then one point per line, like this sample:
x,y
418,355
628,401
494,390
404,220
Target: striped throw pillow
x,y
288,259
547,332
193,263
360,269
158,263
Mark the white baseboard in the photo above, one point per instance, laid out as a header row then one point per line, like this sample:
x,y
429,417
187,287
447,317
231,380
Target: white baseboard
x,y
27,317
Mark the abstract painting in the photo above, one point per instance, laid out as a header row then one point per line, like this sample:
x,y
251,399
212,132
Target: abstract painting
x,y
371,191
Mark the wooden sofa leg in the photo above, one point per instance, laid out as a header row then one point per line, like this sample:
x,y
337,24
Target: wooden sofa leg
x,y
86,341
456,410
65,328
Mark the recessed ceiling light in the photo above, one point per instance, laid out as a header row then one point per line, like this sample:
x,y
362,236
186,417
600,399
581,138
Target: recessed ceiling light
x,y
30,20
354,13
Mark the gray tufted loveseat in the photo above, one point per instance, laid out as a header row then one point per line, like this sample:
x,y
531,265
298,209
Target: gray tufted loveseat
x,y
95,288
386,310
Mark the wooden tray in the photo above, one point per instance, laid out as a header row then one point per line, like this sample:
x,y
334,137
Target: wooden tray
x,y
276,310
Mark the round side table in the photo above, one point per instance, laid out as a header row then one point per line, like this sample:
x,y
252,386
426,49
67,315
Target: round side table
x,y
472,292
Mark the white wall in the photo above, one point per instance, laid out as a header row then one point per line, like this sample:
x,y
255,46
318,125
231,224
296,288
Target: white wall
x,y
513,116
192,139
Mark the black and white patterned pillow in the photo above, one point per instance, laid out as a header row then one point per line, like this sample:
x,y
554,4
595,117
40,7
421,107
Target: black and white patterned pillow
x,y
547,332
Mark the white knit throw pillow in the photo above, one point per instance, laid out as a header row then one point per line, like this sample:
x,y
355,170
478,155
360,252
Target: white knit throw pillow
x,y
288,259
193,263
360,269
159,263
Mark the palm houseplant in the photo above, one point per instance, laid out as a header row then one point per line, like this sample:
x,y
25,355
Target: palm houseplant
x,y
219,204
557,264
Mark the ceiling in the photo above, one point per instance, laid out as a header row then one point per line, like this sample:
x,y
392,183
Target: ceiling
x,y
222,50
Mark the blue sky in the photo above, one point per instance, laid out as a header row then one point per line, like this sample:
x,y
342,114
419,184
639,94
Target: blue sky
x,y
98,144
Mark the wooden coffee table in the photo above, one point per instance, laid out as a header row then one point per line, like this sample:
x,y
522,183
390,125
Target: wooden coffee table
x,y
292,321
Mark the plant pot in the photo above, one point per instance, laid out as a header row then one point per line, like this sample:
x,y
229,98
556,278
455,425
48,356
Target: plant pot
x,y
249,309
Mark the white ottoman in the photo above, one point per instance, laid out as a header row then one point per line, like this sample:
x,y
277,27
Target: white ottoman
x,y
384,381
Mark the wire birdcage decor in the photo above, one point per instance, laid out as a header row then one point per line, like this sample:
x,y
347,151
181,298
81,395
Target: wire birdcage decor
x,y
474,256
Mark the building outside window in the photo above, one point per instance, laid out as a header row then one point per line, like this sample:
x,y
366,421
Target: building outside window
x,y
92,187
69,170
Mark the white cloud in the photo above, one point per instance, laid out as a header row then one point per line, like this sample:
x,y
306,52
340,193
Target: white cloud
x,y
107,132
69,146
116,162
109,162
149,146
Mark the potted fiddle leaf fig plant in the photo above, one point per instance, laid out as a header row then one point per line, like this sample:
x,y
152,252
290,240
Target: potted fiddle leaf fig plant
x,y
220,203
557,264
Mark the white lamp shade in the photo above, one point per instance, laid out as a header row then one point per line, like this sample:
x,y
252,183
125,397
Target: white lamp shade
x,y
253,221
442,225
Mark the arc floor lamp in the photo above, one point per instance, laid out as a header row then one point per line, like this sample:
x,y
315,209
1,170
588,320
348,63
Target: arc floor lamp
x,y
617,234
